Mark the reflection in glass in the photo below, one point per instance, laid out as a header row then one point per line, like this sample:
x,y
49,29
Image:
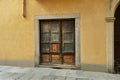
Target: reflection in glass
x,y
55,47
45,27
55,37
68,26
68,37
68,47
45,37
45,48
55,27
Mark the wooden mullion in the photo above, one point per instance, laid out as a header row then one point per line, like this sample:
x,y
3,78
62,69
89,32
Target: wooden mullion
x,y
61,38
74,41
50,55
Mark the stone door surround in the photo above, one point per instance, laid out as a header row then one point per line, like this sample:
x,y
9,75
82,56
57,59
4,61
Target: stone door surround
x,y
61,16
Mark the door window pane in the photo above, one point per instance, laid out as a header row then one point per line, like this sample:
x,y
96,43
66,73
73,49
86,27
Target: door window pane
x,y
55,26
68,37
45,37
68,26
45,27
68,47
45,48
55,37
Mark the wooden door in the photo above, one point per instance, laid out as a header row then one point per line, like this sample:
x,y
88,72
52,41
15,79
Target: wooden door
x,y
57,42
68,41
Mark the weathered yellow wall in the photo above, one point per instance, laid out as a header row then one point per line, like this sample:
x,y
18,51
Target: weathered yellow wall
x,y
17,33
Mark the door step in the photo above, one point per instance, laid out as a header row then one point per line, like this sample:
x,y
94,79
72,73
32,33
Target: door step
x,y
58,66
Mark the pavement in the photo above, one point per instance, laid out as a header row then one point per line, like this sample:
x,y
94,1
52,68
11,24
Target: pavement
x,y
22,73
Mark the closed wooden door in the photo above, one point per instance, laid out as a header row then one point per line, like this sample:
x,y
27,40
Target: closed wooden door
x,y
57,42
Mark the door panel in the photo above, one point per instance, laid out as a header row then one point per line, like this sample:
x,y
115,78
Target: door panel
x,y
45,48
57,41
56,59
68,50
68,59
45,58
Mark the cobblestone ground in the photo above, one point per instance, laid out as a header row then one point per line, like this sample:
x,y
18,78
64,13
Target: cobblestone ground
x,y
20,73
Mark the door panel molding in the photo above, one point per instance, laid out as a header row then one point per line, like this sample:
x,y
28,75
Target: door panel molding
x,y
77,35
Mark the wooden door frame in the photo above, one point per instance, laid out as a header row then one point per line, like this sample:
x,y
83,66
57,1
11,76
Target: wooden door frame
x,y
111,6
77,35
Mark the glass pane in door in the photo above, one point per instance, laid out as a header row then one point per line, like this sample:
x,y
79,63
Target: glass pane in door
x,y
68,36
68,47
45,27
45,48
55,31
55,26
68,26
55,37
45,37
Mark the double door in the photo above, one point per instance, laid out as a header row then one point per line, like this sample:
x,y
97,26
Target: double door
x,y
57,41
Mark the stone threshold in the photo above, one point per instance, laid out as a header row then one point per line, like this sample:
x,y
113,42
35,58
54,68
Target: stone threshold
x,y
58,66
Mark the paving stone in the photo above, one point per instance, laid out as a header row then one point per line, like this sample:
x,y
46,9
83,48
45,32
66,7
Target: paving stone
x,y
20,73
18,70
27,76
42,71
16,76
70,78
6,76
36,77
53,78
59,78
74,73
58,72
3,68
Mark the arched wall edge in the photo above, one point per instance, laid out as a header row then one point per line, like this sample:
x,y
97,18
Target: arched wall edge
x,y
111,6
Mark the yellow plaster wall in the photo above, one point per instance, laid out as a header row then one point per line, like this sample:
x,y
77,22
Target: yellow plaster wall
x,y
17,33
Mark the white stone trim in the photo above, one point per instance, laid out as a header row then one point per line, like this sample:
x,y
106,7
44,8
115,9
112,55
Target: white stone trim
x,y
37,46
77,35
